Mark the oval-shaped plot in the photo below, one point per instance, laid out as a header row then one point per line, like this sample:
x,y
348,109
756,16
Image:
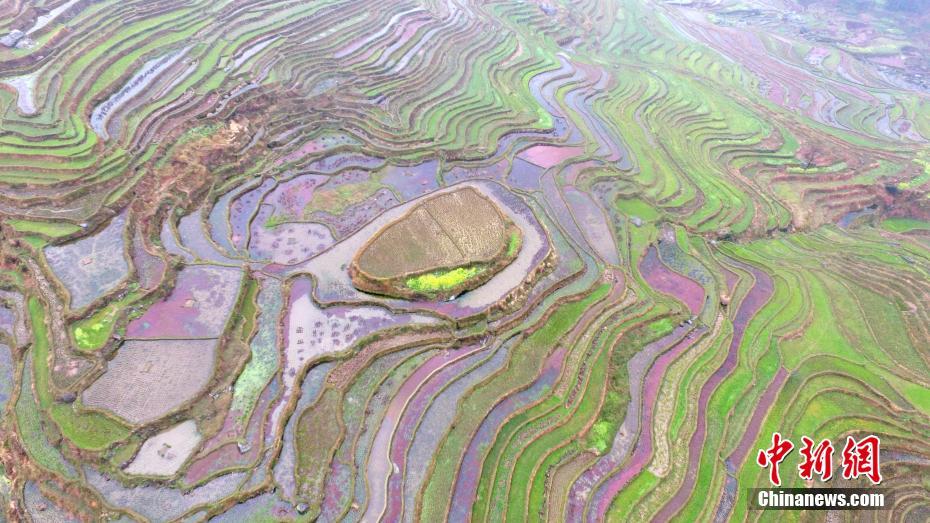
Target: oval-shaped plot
x,y
448,244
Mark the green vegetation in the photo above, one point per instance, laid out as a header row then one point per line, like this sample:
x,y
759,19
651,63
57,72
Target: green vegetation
x,y
904,224
617,395
36,242
50,229
87,430
513,245
318,434
526,360
260,312
637,208
29,424
92,333
443,280
249,311
40,350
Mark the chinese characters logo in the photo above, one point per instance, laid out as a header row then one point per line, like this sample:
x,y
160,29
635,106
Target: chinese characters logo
x,y
859,458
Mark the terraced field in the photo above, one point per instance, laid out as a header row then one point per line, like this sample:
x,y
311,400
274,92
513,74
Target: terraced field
x,y
665,231
448,244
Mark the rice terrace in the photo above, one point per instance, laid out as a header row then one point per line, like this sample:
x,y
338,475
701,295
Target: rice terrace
x,y
464,260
